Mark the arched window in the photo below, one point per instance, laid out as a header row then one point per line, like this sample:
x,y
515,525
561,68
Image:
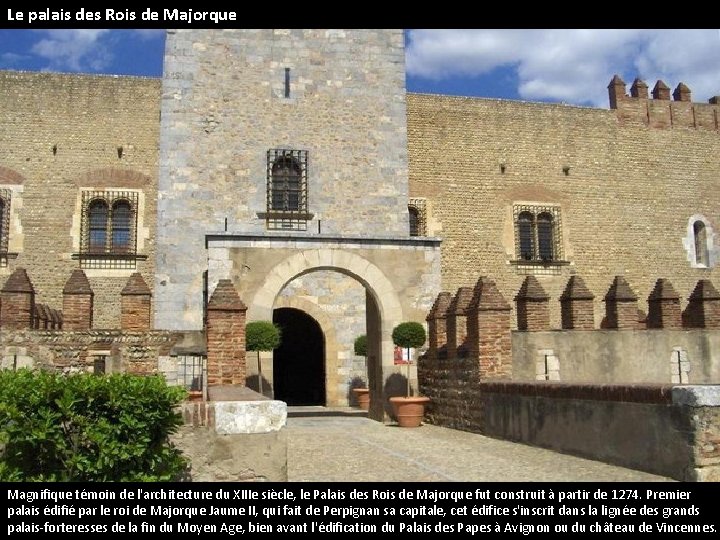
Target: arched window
x,y
108,229
537,234
98,225
2,218
121,226
701,251
5,198
286,184
526,235
414,216
545,236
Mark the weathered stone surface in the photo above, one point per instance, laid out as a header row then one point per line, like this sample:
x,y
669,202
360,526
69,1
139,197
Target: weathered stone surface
x,y
697,396
233,417
255,457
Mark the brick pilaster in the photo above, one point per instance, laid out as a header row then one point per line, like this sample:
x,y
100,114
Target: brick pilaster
x,y
703,309
664,306
135,304
456,322
225,332
621,307
489,327
533,306
77,302
18,302
577,309
437,325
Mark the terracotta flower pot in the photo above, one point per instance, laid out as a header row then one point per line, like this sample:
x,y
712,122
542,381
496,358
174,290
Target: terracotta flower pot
x,y
363,398
409,411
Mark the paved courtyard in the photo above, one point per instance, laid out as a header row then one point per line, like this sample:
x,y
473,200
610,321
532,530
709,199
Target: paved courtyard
x,y
343,448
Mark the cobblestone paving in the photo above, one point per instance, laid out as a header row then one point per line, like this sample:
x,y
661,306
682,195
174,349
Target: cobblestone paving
x,y
328,449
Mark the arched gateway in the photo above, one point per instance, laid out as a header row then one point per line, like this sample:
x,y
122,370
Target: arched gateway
x,y
262,268
292,184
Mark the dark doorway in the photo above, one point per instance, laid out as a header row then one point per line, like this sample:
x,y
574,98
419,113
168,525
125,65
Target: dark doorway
x,y
299,362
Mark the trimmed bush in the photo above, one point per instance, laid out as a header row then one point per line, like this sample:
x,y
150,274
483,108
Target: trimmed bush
x,y
409,334
261,336
88,428
360,345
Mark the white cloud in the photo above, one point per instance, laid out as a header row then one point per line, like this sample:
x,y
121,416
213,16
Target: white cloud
x,y
74,50
572,65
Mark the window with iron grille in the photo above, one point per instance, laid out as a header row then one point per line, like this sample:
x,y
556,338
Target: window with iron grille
x,y
417,217
287,191
538,237
191,371
108,236
5,197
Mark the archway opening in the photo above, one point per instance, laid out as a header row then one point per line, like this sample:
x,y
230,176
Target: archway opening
x,y
299,361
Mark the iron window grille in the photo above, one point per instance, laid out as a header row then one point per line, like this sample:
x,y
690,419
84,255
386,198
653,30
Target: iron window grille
x,y
5,199
418,217
538,237
191,372
108,230
287,189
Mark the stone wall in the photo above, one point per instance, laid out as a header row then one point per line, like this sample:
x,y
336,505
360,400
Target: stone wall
x,y
68,351
64,133
224,107
606,356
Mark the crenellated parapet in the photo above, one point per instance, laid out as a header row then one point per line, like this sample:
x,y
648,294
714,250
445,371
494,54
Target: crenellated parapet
x,y
659,111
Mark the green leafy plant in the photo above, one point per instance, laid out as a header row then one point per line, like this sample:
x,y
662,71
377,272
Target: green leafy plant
x,y
261,336
409,335
360,345
82,427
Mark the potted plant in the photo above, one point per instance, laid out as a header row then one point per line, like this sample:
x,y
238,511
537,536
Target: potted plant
x,y
261,336
362,394
409,410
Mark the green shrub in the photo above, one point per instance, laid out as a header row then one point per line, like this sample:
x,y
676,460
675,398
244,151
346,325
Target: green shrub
x,y
360,345
409,334
261,336
87,428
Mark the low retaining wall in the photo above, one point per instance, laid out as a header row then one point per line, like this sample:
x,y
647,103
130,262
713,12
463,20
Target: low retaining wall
x,y
662,429
665,430
612,356
239,436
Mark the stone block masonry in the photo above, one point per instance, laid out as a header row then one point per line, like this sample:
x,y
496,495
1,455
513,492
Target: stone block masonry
x,y
346,108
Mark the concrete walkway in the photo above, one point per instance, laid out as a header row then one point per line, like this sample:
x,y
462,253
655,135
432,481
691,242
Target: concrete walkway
x,y
354,448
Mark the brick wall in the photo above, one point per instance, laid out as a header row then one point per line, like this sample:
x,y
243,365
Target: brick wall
x,y
226,336
61,133
625,202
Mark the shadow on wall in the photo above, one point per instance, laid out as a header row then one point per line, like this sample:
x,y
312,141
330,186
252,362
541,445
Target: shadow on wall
x,y
395,385
252,383
355,382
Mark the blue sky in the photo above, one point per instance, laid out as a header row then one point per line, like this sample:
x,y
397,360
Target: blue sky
x,y
566,65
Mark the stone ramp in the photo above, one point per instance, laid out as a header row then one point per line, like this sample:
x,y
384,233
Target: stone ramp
x,y
335,448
